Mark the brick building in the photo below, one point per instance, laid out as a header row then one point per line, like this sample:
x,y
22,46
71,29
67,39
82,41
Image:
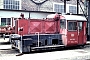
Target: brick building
x,y
52,6
48,5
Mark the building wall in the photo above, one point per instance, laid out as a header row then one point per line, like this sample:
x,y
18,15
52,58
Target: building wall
x,y
47,6
1,4
29,5
9,14
37,15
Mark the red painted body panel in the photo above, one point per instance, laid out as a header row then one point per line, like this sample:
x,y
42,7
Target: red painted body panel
x,y
2,30
62,17
49,27
85,35
64,39
64,36
35,26
82,34
72,38
22,23
6,30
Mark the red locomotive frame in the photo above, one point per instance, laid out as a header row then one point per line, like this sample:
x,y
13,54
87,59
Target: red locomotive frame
x,y
54,31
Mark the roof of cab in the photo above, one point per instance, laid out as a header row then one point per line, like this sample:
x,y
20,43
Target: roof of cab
x,y
74,17
69,17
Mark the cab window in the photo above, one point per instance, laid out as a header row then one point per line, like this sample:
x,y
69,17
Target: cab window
x,y
62,23
72,25
80,25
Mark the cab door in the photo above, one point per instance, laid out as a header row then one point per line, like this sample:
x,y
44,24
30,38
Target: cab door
x,y
72,33
80,33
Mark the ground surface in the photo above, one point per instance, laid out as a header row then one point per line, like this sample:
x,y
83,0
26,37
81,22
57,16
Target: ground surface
x,y
6,53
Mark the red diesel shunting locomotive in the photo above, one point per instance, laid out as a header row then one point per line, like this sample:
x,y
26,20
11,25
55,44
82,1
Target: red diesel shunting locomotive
x,y
55,31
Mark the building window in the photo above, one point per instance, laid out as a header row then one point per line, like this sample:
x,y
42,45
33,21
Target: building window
x,y
11,4
59,8
5,21
73,9
8,21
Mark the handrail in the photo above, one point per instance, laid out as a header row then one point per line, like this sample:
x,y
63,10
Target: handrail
x,y
38,37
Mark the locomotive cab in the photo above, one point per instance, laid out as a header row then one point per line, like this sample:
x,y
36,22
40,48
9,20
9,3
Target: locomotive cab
x,y
73,30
